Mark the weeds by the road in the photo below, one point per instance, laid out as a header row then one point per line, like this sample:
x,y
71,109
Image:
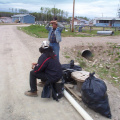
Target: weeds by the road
x,y
105,62
40,32
35,30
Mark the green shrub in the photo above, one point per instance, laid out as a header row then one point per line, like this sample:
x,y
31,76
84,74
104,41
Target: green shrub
x,y
116,59
66,56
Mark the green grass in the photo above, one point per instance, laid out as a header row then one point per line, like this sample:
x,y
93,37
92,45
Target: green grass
x,y
104,70
9,24
117,33
35,30
116,59
81,62
118,64
41,32
66,56
118,53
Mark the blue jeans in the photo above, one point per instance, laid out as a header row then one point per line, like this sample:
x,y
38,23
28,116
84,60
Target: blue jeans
x,y
56,49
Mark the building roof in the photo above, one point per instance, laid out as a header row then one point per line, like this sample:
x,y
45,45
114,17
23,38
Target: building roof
x,y
5,17
108,18
80,19
21,15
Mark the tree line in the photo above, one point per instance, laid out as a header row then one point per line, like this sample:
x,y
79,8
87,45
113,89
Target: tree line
x,y
6,14
45,14
13,12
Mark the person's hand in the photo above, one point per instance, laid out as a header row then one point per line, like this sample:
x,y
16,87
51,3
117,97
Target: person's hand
x,y
52,22
33,65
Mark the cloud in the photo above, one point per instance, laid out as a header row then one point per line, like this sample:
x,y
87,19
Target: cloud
x,y
88,8
97,9
47,2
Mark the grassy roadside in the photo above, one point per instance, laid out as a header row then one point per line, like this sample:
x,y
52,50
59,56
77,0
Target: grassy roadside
x,y
106,59
40,32
105,62
11,24
35,30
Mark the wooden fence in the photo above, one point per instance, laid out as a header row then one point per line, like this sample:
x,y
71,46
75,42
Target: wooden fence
x,y
81,28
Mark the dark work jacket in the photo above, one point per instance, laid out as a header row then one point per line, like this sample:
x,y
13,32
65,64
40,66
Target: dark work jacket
x,y
51,67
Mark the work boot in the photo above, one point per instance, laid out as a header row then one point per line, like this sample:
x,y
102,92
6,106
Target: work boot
x,y
31,94
41,84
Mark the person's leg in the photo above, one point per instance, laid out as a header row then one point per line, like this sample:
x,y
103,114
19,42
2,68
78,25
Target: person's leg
x,y
33,81
33,91
33,77
56,49
43,78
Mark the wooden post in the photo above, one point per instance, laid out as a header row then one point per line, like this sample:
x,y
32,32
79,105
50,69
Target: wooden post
x,y
103,28
70,27
75,27
64,27
73,16
90,28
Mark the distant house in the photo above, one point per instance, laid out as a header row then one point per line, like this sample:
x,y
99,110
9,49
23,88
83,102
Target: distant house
x,y
107,21
5,20
79,21
23,18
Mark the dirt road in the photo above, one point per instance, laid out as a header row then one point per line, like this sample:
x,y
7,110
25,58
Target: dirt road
x,y
17,51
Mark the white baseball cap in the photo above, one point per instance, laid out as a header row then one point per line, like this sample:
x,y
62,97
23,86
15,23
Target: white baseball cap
x,y
45,44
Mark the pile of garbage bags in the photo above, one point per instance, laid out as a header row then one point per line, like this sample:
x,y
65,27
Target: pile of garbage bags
x,y
94,95
68,69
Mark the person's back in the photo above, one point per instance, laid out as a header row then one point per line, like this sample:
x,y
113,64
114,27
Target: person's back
x,y
54,69
51,67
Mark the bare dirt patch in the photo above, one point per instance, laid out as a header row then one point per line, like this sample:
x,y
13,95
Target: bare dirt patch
x,y
105,60
105,63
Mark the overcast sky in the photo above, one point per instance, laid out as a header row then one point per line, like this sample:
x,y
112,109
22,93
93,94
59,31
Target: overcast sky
x,y
87,8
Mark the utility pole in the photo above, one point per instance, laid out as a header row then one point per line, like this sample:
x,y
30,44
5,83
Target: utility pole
x,y
73,16
54,11
102,14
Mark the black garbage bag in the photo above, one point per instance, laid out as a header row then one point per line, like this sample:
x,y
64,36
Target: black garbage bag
x,y
59,89
71,66
68,69
94,95
46,92
55,89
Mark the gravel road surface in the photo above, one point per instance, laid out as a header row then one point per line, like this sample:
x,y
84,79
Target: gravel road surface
x,y
17,51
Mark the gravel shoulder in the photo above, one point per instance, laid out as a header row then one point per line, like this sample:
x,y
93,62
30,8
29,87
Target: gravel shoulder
x,y
17,51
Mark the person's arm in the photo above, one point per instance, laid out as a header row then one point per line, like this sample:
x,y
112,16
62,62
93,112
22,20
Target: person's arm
x,y
60,25
47,27
33,65
42,64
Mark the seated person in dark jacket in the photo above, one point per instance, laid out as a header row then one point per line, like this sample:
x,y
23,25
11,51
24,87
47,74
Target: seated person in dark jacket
x,y
48,69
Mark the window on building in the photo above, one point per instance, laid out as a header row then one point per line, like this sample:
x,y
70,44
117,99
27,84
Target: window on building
x,y
104,21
